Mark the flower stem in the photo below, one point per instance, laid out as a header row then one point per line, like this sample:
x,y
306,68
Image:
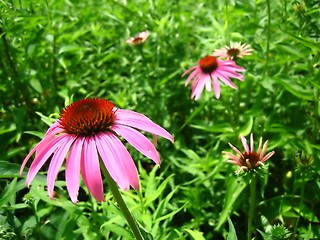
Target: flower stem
x,y
252,204
122,205
302,191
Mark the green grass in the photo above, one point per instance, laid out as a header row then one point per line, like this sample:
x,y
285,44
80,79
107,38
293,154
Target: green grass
x,y
56,52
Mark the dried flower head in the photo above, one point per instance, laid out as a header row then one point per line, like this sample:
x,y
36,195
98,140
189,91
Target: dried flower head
x,y
139,38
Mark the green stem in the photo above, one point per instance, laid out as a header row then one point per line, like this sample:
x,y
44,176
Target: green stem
x,y
252,204
300,204
122,205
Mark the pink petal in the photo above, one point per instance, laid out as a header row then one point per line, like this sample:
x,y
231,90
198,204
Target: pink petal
x,y
226,80
197,89
43,156
138,141
195,74
73,169
42,144
230,65
264,149
260,145
91,169
236,150
251,143
189,70
245,144
216,86
266,157
55,128
137,120
56,162
117,160
234,159
208,83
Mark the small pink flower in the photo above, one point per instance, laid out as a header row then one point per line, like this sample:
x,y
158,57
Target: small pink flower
x,y
250,159
236,50
139,38
89,130
207,73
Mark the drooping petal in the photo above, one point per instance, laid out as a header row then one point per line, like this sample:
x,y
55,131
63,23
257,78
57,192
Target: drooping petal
x,y
137,120
226,81
194,75
42,144
73,169
208,83
42,156
197,89
56,162
189,70
230,65
117,160
54,128
90,169
112,161
138,141
216,86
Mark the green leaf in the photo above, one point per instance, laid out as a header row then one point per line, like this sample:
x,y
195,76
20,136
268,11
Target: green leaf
x,y
195,234
8,192
232,235
9,170
119,230
307,42
217,128
172,213
304,211
36,85
296,89
192,115
234,189
159,190
247,128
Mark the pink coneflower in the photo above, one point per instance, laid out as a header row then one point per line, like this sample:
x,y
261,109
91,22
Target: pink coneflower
x,y
236,50
89,130
208,71
139,38
250,159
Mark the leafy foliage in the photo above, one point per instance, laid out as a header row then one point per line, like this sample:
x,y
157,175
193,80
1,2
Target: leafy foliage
x,y
54,52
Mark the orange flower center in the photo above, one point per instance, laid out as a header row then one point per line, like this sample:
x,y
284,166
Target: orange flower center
x,y
208,64
87,116
253,158
233,52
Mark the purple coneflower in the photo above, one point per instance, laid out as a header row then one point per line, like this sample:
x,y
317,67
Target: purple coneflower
x,y
139,38
236,50
250,159
89,130
207,73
